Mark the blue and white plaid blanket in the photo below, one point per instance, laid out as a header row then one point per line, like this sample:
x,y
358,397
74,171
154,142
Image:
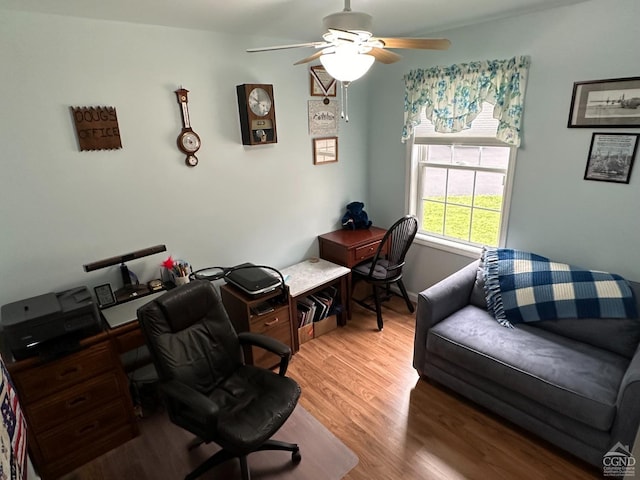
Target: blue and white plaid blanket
x,y
525,287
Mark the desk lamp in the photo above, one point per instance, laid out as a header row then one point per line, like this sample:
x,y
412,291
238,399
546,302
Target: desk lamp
x,y
128,290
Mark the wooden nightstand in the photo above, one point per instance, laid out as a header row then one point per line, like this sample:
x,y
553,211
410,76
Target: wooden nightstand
x,y
243,313
349,248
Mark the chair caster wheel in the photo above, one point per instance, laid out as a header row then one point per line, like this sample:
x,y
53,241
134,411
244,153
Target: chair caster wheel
x,y
296,458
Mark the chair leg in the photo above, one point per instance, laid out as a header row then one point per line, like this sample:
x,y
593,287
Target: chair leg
x,y
195,443
244,468
217,459
278,445
376,298
405,295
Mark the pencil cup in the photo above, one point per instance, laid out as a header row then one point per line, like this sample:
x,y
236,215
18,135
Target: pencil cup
x,y
181,281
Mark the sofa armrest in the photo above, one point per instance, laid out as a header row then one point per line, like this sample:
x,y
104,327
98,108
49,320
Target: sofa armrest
x,y
438,302
627,421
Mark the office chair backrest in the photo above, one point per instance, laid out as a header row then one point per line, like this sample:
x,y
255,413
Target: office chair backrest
x,y
396,243
190,336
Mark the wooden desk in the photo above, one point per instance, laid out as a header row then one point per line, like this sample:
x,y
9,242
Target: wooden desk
x,y
77,407
349,248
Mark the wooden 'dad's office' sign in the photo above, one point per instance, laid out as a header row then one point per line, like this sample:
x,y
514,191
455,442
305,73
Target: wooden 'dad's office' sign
x,y
97,128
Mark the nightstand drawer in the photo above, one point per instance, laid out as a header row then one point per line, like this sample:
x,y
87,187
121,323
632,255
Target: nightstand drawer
x,y
63,373
275,325
270,322
76,434
366,251
85,397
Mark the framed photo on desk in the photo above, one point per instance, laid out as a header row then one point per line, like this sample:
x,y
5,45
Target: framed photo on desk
x,y
105,295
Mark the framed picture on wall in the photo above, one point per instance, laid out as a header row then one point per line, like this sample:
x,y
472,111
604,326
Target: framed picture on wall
x,y
322,84
611,157
323,118
605,103
325,150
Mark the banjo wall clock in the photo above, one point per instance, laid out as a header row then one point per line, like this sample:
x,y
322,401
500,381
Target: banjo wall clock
x,y
188,140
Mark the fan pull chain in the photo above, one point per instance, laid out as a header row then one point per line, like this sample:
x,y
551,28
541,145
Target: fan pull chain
x,y
344,94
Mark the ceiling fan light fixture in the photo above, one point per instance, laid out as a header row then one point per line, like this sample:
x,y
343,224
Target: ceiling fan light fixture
x,y
346,65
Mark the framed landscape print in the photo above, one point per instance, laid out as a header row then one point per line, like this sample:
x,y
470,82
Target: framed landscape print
x,y
606,103
611,157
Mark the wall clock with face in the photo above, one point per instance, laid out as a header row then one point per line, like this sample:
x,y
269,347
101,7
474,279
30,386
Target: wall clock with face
x,y
188,140
257,114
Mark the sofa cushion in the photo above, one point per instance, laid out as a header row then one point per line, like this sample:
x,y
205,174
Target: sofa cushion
x,y
478,297
570,377
617,335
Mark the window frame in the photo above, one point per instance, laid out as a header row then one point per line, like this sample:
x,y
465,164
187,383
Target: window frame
x,y
413,187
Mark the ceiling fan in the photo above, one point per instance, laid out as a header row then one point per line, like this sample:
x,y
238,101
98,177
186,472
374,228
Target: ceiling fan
x,y
349,48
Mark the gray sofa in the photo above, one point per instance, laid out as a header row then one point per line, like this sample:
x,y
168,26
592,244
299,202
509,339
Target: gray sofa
x,y
575,383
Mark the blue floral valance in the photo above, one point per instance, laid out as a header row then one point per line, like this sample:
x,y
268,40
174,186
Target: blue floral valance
x,y
452,96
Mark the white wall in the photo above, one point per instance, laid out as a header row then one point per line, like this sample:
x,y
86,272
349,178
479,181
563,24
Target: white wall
x,y
61,208
554,212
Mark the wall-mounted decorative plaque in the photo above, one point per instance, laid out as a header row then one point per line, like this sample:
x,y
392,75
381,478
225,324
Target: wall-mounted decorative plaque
x,y
97,128
322,84
323,118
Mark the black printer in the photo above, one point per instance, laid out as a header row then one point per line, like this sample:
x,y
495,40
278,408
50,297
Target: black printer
x,y
51,324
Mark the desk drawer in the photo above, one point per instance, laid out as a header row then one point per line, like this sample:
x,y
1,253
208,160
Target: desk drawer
x,y
365,252
85,397
82,431
271,322
129,341
275,325
63,373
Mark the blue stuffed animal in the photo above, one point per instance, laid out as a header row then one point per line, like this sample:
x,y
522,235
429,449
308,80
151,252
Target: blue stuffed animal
x,y
355,218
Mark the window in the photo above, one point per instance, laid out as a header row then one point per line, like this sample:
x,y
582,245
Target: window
x,y
460,183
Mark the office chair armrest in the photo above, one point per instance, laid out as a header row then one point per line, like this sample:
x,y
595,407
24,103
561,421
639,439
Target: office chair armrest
x,y
192,399
270,344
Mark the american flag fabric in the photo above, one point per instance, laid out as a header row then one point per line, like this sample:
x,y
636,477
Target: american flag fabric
x,y
13,435
525,287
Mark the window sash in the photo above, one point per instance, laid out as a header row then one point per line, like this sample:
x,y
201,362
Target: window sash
x,y
416,179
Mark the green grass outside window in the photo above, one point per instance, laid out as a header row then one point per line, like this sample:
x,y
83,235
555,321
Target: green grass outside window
x,y
484,227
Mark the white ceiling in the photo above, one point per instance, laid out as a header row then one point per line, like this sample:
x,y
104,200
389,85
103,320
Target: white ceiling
x,y
289,19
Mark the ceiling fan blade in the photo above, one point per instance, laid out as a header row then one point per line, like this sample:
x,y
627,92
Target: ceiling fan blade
x,y
384,56
295,45
310,58
424,43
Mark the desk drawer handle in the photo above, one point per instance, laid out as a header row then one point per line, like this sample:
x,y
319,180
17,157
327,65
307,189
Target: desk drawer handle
x,y
272,322
88,428
69,371
77,401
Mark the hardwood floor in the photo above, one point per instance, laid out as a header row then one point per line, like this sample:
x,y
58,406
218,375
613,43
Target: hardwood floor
x,y
361,385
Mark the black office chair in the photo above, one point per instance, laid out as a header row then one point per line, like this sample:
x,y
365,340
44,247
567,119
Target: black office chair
x,y
208,389
386,266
